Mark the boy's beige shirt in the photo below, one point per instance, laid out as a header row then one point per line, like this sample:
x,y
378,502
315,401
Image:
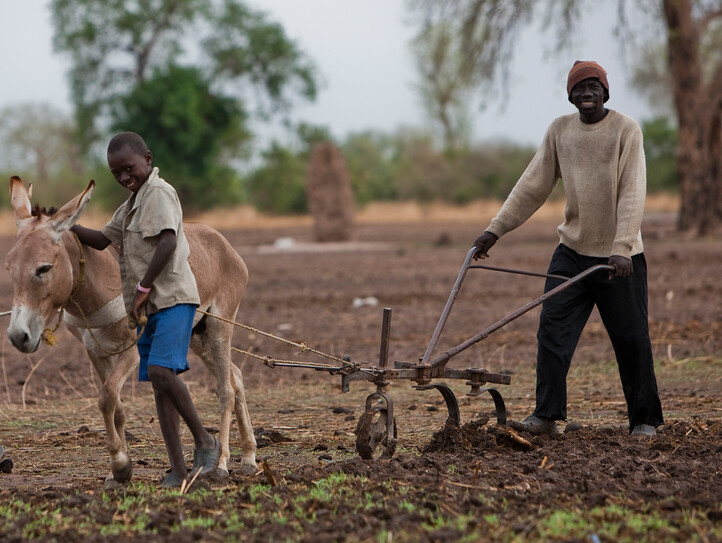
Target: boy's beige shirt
x,y
602,167
135,227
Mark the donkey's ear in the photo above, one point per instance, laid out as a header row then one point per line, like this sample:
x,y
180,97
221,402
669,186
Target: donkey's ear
x,y
20,198
67,215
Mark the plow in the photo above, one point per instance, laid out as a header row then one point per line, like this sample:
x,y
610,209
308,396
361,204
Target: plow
x,y
376,430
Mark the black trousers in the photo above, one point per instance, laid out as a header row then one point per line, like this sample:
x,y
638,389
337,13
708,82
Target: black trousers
x,y
622,305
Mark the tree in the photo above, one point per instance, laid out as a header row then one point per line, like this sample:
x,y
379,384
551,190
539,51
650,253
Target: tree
x,y
697,92
192,132
693,32
464,46
372,162
660,146
279,184
36,142
115,46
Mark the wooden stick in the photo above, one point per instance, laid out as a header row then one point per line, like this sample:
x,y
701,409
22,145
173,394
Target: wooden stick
x,y
5,377
516,437
445,506
27,379
185,487
268,473
91,373
466,485
78,394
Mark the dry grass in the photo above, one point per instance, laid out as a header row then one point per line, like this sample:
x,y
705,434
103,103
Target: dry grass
x,y
476,212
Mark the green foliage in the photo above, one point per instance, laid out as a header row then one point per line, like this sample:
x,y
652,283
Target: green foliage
x,y
613,522
248,50
660,148
304,508
422,170
372,162
460,48
484,171
191,131
128,53
404,166
279,184
36,144
490,171
114,46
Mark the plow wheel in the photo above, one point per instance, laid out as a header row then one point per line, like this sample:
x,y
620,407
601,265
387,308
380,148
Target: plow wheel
x,y
376,428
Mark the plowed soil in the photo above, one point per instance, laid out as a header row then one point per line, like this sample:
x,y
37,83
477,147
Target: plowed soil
x,y
331,297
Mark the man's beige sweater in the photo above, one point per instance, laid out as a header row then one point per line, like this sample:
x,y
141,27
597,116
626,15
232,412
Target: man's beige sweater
x,y
603,171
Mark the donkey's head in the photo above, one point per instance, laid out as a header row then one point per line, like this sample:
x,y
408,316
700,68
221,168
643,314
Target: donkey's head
x,y
39,266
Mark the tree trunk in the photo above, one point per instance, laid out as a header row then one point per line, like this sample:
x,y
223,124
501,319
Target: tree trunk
x,y
699,112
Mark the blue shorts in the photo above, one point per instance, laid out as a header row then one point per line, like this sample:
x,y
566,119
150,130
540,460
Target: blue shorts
x,y
166,339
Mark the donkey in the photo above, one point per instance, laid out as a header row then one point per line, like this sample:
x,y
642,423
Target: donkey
x,y
55,277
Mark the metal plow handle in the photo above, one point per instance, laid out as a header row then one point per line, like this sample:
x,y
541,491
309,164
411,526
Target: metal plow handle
x,y
442,359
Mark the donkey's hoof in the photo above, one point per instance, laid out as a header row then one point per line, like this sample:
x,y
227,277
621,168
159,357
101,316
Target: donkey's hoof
x,y
123,474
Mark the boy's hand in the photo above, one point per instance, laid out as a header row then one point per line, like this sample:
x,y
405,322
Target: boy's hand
x,y
140,300
622,267
483,243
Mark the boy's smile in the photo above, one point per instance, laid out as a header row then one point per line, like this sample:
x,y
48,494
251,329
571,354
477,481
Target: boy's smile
x,y
130,168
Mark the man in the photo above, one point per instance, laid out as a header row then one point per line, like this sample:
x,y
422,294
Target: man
x,y
599,156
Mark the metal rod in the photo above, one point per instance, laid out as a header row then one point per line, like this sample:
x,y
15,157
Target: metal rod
x,y
447,308
385,333
444,358
412,374
323,367
455,293
519,272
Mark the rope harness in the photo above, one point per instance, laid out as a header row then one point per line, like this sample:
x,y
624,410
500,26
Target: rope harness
x,y
48,335
346,365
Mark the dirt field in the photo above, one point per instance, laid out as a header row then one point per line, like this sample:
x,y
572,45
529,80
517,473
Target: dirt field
x,y
591,483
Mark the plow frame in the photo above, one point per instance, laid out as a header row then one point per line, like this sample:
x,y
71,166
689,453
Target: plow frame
x,y
377,427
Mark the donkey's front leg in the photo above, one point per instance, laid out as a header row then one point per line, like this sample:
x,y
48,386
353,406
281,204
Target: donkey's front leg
x,y
113,413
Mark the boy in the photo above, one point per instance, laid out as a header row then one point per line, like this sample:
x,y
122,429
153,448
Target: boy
x,y
157,278
599,155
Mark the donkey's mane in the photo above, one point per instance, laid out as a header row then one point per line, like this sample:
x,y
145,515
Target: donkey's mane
x,y
38,211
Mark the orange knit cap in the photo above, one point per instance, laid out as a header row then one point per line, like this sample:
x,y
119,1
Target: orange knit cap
x,y
584,69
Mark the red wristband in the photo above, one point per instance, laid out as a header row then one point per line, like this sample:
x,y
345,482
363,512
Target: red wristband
x,y
142,289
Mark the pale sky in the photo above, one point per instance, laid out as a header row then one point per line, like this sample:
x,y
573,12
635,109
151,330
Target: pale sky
x,y
361,48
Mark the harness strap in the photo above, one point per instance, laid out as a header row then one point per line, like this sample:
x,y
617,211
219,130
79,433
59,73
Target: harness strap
x,y
110,313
